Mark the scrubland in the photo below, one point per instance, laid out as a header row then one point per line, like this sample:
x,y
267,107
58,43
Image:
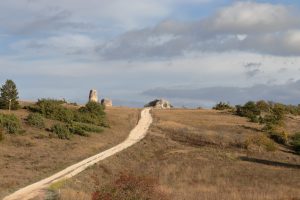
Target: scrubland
x,y
195,154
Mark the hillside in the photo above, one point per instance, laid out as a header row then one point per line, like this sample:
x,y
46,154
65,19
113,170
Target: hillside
x,y
32,155
194,154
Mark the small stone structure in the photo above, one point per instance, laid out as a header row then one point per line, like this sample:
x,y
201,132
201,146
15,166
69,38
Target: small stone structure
x,y
106,102
93,97
159,103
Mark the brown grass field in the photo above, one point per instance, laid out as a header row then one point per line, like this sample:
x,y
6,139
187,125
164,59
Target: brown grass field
x,y
198,154
31,156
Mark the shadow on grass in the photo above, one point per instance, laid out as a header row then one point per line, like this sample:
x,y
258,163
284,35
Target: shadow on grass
x,y
290,150
251,128
269,162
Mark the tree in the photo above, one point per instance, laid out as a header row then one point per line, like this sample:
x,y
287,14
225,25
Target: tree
x,y
9,96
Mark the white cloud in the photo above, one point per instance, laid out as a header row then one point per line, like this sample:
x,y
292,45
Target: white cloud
x,y
245,17
80,15
292,40
244,26
58,45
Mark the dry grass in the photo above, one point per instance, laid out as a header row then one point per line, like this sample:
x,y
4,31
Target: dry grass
x,y
32,156
192,154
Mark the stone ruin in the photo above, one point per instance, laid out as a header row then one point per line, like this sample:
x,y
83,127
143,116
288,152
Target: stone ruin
x,y
159,103
106,102
93,97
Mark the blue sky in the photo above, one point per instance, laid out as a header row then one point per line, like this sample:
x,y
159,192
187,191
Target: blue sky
x,y
136,50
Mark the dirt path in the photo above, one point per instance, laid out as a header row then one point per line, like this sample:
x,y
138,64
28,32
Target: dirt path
x,y
38,188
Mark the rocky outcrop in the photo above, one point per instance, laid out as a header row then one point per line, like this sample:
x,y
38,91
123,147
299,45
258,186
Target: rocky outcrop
x,y
107,102
159,103
93,97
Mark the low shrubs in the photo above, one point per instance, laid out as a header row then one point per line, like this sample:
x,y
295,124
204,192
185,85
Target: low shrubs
x,y
10,123
249,110
61,130
65,131
80,121
271,115
223,106
53,109
89,127
262,141
280,137
35,120
295,142
263,106
91,113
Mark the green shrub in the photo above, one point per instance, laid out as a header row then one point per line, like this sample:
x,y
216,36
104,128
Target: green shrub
x,y
274,123
77,129
53,109
223,106
263,106
61,130
295,142
93,107
10,123
82,129
249,110
91,113
89,127
36,120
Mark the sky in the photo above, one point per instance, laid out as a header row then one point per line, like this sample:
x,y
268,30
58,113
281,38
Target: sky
x,y
190,52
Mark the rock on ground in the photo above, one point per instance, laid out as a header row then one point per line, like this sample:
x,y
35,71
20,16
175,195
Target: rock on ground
x,y
159,103
107,102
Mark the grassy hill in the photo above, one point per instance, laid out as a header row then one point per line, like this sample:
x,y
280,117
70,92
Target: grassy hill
x,y
34,153
195,154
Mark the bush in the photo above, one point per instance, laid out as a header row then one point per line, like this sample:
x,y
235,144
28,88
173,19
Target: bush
x,y
10,123
295,142
53,109
36,120
263,106
223,106
249,110
91,113
77,129
273,124
93,107
261,141
278,136
62,131
89,127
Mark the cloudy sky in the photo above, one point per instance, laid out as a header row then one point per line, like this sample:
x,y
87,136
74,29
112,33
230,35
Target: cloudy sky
x,y
192,52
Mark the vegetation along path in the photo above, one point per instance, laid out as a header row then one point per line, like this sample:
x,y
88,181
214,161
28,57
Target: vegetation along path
x,y
36,189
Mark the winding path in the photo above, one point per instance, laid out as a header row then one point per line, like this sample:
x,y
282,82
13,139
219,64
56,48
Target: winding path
x,y
38,188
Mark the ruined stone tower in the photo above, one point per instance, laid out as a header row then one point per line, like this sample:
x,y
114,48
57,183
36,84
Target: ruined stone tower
x,y
107,102
93,97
